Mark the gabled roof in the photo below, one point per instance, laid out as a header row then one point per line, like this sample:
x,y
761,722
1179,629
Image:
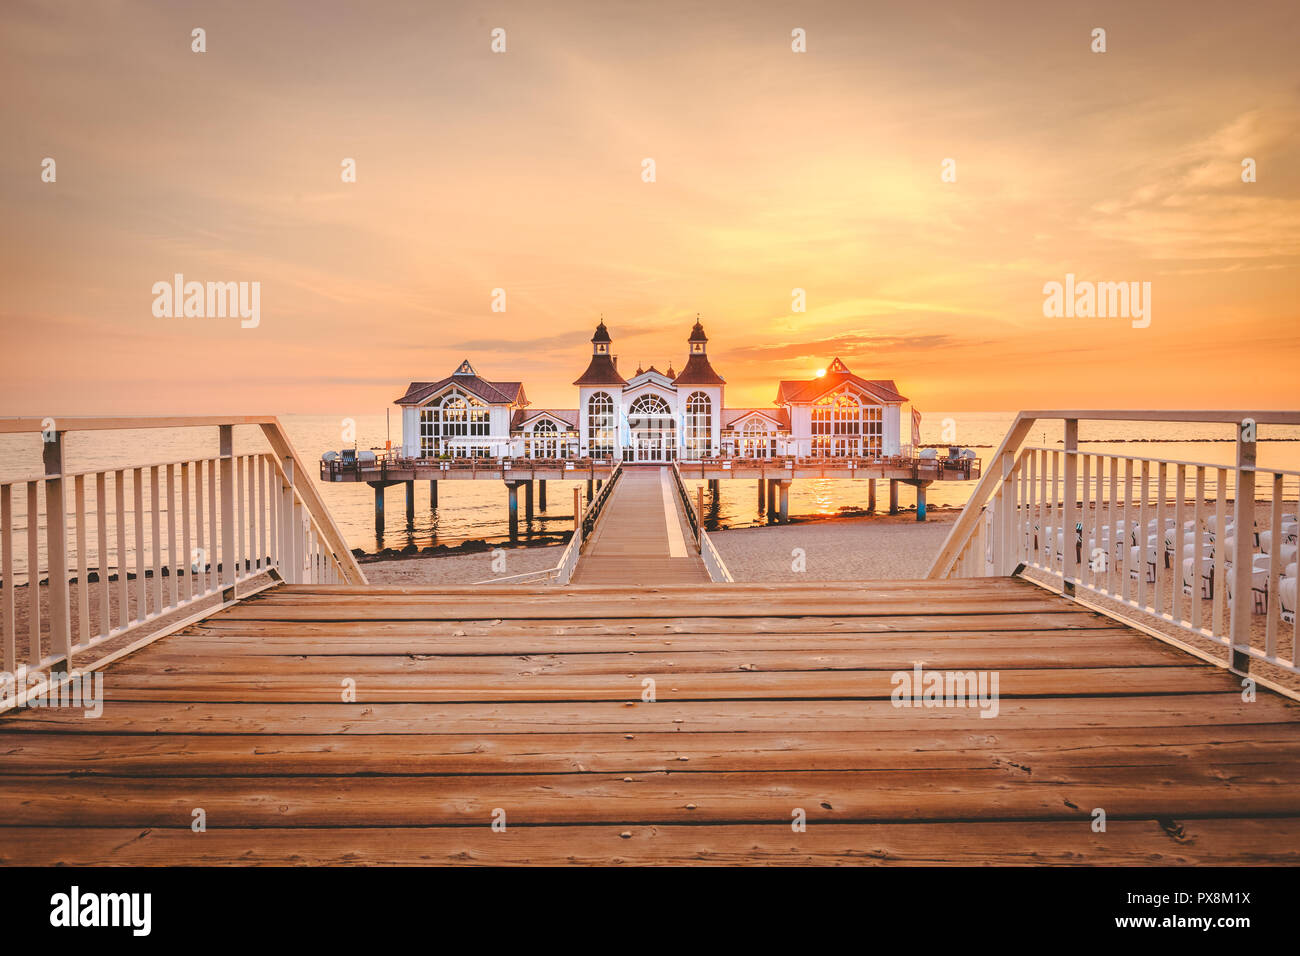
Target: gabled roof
x,y
731,417
837,373
523,417
698,371
601,371
649,376
494,393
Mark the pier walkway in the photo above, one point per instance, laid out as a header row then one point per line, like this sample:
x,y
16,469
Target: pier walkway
x,y
642,537
770,736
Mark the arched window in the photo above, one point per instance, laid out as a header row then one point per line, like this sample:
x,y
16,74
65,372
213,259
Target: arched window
x,y
654,434
546,439
755,439
836,425
600,426
699,425
452,416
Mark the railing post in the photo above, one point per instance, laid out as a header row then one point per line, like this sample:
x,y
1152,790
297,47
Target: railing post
x,y
289,556
226,452
1243,547
699,515
1069,500
56,532
1004,519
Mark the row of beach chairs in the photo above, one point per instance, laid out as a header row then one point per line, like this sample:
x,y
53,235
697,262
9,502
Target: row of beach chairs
x,y
1172,544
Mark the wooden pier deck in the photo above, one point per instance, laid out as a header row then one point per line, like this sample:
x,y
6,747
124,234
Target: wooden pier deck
x,y
769,701
642,536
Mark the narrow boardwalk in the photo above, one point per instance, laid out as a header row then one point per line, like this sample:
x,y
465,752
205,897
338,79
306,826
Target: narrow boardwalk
x,y
770,702
642,538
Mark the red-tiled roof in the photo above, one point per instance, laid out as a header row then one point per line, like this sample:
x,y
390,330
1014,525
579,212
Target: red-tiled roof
x,y
494,393
601,371
803,392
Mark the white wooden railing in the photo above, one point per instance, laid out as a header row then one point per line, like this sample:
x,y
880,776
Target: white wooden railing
x,y
713,563
584,526
159,538
1155,538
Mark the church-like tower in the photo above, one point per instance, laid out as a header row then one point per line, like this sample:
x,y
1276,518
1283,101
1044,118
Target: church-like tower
x,y
699,398
600,392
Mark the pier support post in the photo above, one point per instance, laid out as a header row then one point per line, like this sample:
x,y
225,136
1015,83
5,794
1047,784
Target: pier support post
x,y
920,501
785,500
577,509
762,495
512,491
410,503
541,493
528,501
433,494
379,509
871,496
893,496
589,485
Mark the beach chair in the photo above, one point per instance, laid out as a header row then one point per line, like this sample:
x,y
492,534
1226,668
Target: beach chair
x,y
1286,598
1207,576
1288,551
1135,561
1171,543
1258,589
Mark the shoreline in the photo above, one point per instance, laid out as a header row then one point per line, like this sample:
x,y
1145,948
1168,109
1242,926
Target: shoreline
x,y
935,513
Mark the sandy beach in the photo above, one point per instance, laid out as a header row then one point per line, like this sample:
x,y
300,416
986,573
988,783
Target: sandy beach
x,y
834,549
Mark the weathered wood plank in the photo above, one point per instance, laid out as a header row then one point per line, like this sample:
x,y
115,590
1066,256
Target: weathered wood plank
x,y
1027,751
848,796
502,657
532,685
1067,714
1217,842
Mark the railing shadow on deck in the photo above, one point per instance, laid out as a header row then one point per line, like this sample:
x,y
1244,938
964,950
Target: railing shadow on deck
x,y
203,533
1152,540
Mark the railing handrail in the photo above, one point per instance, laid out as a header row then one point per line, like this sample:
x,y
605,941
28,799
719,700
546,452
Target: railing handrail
x,y
87,423
1258,469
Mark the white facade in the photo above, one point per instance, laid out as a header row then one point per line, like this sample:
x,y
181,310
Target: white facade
x,y
653,416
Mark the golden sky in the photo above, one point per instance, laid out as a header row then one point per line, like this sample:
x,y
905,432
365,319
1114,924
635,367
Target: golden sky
x,y
775,170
